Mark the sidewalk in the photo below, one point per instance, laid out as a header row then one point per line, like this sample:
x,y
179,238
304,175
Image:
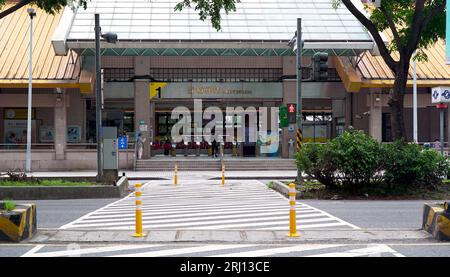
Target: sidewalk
x,y
157,175
233,236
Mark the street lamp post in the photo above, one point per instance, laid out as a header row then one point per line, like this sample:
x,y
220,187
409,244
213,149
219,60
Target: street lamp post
x,y
415,129
32,14
110,38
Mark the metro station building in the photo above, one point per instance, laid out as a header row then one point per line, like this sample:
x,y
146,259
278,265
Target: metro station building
x,y
165,59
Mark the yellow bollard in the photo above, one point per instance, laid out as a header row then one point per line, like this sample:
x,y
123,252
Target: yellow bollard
x,y
138,195
292,212
175,176
223,174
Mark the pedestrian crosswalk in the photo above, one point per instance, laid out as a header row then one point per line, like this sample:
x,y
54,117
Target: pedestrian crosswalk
x,y
206,205
214,250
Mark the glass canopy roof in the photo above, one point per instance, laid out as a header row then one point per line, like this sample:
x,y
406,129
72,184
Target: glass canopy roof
x,y
148,24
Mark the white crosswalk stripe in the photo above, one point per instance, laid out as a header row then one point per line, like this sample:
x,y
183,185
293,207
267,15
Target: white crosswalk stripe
x,y
214,250
206,205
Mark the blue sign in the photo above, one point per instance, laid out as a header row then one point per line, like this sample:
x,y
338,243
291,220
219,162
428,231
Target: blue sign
x,y
446,94
123,142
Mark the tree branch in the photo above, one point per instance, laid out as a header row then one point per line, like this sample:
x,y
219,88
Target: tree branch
x,y
391,23
425,20
14,8
374,32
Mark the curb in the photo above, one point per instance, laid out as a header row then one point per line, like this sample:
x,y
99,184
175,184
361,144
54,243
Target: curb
x,y
231,236
283,189
74,192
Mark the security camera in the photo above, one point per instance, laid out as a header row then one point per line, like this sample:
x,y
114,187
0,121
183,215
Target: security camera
x,y
110,37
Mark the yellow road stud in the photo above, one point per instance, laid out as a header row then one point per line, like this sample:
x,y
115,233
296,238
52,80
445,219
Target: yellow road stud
x,y
138,194
292,212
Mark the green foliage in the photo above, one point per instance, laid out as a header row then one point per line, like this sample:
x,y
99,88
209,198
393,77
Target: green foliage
x,y
9,205
49,6
411,165
357,158
400,15
209,9
316,162
44,183
354,162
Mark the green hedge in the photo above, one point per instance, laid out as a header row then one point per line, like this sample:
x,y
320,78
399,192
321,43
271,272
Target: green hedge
x,y
354,161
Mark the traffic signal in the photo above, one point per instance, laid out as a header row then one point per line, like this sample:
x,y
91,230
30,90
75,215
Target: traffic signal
x,y
320,66
292,113
284,116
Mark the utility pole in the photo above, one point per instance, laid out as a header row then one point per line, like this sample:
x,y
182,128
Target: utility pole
x,y
98,97
299,92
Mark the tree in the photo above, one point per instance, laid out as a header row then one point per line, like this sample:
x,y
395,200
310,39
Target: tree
x,y
414,24
50,6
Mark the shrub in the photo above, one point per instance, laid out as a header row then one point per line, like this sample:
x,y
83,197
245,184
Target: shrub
x,y
315,161
354,161
356,157
410,165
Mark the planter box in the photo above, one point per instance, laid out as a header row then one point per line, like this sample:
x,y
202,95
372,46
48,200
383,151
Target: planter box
x,y
73,192
436,220
18,225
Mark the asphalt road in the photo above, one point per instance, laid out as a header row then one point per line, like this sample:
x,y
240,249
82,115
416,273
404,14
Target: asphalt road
x,y
56,213
374,213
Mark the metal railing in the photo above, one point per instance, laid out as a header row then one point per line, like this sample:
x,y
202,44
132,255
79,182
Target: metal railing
x,y
23,146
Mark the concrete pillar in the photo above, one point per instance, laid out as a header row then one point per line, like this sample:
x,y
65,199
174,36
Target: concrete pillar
x,y
142,102
60,121
375,121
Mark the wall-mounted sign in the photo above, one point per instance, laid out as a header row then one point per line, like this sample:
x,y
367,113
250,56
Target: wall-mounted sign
x,y
15,131
46,134
73,133
18,113
155,89
222,90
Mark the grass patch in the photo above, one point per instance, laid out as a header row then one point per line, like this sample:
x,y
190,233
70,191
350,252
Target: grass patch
x,y
9,205
45,183
316,190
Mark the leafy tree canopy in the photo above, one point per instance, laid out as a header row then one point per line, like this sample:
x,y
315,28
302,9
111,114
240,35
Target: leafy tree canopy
x,y
50,6
414,24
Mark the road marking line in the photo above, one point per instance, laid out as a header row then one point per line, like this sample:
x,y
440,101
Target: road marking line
x,y
68,225
33,250
308,226
94,250
376,250
181,251
280,250
187,217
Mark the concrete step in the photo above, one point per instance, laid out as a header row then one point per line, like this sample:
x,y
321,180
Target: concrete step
x,y
209,164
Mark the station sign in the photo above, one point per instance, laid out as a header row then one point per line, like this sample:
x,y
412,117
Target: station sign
x,y
440,95
123,142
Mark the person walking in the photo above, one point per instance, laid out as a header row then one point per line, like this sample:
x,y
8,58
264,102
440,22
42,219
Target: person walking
x,y
140,146
214,148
